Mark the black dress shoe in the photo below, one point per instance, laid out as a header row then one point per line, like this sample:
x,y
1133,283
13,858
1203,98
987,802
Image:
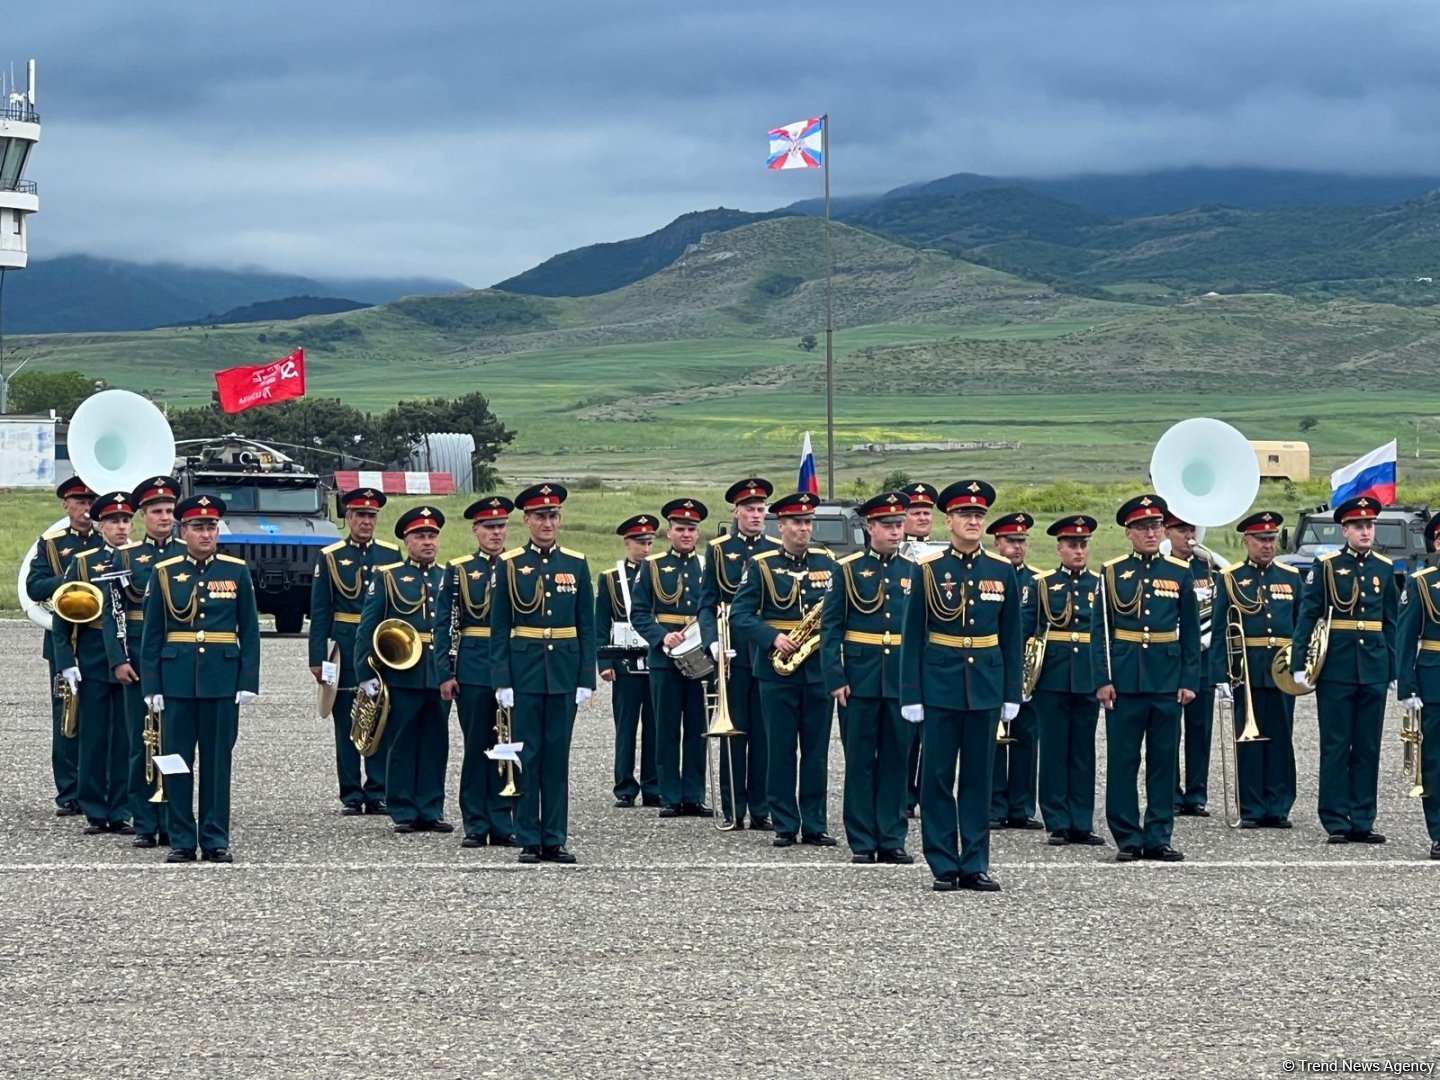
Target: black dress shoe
x,y
144,839
1127,854
818,839
1278,823
1058,839
122,828
1199,811
1023,823
650,800
69,809
1338,838
761,824
376,807
218,854
407,827
181,854
672,811
164,838
997,823
897,857
909,811
1185,810
625,801
502,840
945,883
981,882
863,857
473,840
439,826
95,828
1251,823
529,854
556,854
695,809
1086,837
1365,836
1435,850
783,839
1163,853
352,809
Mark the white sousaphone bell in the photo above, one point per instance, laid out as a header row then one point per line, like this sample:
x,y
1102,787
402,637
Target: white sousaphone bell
x,y
116,440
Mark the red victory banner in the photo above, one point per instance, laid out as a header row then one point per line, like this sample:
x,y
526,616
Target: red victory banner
x,y
245,387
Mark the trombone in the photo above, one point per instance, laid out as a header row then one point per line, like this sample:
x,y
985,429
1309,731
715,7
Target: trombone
x,y
720,726
1411,736
1237,672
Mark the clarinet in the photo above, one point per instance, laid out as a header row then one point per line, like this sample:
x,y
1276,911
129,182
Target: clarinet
x,y
122,632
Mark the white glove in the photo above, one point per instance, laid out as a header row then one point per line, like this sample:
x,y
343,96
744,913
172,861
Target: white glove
x,y
1413,703
1301,681
244,697
371,687
72,676
715,651
155,702
582,694
1223,692
1393,685
914,713
505,697
1009,711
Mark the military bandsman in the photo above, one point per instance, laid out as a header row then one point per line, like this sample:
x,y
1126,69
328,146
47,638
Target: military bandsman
x,y
743,757
778,591
86,664
1418,651
199,662
1012,790
1064,700
1263,595
625,669
666,602
336,596
53,554
1197,721
462,650
919,521
542,651
418,725
1147,668
860,638
1355,588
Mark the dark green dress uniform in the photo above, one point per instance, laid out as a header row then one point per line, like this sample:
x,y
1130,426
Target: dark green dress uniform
x,y
1064,611
776,590
419,724
666,598
961,659
337,594
201,647
53,553
462,649
919,494
745,755
1012,786
1266,598
104,746
630,702
1197,721
860,638
542,647
1418,650
1149,650
1359,591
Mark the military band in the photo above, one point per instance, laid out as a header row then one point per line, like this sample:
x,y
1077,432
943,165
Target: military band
x,y
1012,790
1418,683
624,667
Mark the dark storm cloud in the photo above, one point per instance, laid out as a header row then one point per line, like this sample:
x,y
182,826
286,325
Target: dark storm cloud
x,y
474,139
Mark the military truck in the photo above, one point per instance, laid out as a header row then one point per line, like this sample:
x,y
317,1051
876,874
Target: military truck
x,y
275,517
1399,535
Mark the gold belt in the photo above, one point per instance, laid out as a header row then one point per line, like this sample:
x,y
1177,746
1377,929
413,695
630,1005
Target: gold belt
x,y
475,631
1148,637
202,637
1270,642
672,620
546,632
346,617
783,625
984,641
1080,637
1430,646
860,637
135,616
1356,624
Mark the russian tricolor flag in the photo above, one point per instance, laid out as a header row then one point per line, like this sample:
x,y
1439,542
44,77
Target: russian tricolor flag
x,y
1372,475
808,481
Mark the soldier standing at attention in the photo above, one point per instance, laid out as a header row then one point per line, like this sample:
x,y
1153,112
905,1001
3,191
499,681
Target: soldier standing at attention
x,y
418,728
1192,786
1355,587
53,552
542,652
1147,666
860,638
919,520
667,598
199,662
462,649
1012,790
742,756
1419,683
628,676
336,597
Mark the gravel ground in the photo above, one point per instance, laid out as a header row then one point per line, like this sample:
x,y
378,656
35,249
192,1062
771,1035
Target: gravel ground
x,y
333,948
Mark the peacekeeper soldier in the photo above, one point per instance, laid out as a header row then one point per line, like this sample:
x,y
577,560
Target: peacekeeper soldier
x,y
155,502
743,756
860,639
960,678
1064,601
1356,588
199,662
1419,682
1147,667
666,600
1197,721
462,650
542,651
53,553
1012,788
777,589
628,676
336,596
919,520
418,727
84,662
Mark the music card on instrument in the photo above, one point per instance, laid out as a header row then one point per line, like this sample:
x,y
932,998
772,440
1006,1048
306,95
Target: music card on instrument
x,y
170,764
506,751
329,673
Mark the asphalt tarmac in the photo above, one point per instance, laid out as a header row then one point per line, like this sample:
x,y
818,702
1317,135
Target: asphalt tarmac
x,y
334,948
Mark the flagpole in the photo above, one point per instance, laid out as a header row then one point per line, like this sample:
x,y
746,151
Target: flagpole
x,y
829,321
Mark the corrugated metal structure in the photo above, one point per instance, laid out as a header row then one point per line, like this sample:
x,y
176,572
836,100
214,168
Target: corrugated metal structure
x,y
447,452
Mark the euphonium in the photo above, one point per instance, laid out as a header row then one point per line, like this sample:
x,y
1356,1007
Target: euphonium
x,y
397,645
806,637
1412,737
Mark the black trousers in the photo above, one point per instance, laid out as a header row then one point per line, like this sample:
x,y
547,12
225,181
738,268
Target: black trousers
x,y
680,734
744,756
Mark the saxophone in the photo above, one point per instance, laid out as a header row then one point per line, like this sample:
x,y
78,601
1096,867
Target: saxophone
x,y
806,636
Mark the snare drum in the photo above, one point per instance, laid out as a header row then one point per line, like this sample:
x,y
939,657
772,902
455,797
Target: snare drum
x,y
691,657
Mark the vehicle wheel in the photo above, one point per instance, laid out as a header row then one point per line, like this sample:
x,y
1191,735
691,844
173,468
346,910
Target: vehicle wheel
x,y
289,622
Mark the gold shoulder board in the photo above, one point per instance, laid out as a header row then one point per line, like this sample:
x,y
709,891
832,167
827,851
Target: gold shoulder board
x,y
170,562
1383,558
333,547
997,558
765,554
506,556
573,553
656,555
931,556
1177,562
391,565
461,560
230,559
1116,560
388,544
852,557
53,535
1328,556
1284,566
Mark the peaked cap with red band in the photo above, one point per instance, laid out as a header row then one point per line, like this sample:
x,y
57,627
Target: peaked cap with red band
x,y
1173,522
966,495
920,493
1362,508
199,508
422,517
1079,527
1145,507
691,510
749,490
1017,524
73,488
1260,523
796,504
113,504
639,527
541,497
490,508
363,499
888,504
156,489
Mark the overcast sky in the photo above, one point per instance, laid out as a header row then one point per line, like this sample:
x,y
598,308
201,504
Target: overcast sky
x,y
472,140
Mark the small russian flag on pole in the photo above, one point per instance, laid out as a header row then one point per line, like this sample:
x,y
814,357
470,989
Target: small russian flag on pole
x,y
1372,475
807,481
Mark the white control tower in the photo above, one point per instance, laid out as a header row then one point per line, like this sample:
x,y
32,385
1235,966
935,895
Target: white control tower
x,y
19,132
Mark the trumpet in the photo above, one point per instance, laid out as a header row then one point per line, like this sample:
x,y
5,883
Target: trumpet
x,y
1237,670
152,737
1412,737
504,733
